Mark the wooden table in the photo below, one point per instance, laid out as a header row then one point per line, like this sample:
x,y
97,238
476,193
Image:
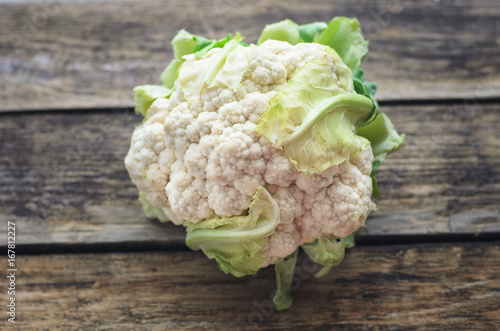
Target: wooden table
x,y
87,258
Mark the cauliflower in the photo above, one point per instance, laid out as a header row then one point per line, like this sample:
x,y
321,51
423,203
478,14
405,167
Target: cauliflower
x,y
255,149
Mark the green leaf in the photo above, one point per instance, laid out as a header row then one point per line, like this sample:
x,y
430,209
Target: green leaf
x,y
152,212
344,36
286,30
328,252
202,43
373,175
145,95
237,243
169,75
384,139
183,43
314,120
199,52
308,32
284,269
368,89
379,130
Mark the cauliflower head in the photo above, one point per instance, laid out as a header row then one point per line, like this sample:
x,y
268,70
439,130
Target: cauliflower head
x,y
255,149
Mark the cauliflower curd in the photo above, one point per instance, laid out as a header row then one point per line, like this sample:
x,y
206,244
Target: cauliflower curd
x,y
200,158
261,149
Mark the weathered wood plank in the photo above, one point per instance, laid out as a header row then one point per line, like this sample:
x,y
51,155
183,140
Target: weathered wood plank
x,y
62,177
422,287
78,54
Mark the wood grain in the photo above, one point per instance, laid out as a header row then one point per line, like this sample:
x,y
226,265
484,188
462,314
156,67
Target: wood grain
x,y
88,54
63,180
419,287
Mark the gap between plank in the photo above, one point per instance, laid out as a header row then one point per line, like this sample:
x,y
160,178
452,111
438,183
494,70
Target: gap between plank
x,y
128,247
121,110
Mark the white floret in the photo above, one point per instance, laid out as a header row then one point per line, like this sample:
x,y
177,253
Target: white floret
x,y
340,208
214,98
187,196
293,58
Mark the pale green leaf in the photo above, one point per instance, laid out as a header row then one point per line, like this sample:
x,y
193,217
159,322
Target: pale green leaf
x,y
237,243
314,120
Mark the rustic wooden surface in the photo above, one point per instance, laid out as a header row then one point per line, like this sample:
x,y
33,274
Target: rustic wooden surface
x,y
87,54
64,179
422,287
87,257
